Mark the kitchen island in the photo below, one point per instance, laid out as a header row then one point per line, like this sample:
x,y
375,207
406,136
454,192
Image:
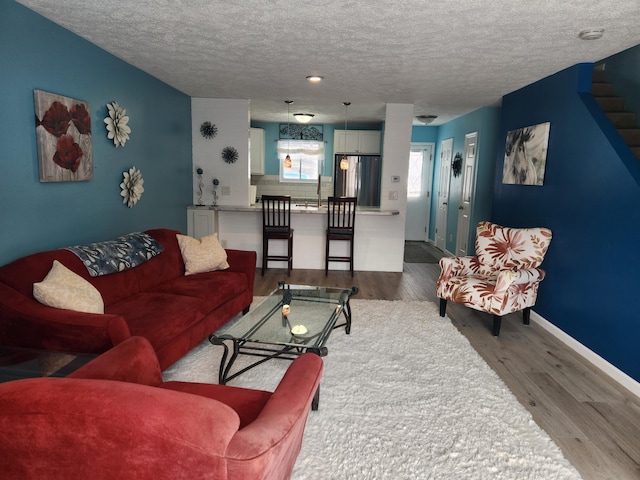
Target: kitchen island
x,y
379,235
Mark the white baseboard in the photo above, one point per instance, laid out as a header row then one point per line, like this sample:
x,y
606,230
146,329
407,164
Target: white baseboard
x,y
608,369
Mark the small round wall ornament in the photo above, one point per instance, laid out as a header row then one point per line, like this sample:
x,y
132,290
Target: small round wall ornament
x,y
229,155
117,128
131,186
457,165
208,130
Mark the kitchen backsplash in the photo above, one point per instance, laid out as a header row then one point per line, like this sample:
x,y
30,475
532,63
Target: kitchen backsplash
x,y
270,185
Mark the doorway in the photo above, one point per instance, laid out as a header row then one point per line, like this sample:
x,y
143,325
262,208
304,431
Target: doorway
x,y
446,154
419,180
466,195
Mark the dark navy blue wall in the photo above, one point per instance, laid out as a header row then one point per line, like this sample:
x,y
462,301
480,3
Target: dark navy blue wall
x,y
38,54
590,201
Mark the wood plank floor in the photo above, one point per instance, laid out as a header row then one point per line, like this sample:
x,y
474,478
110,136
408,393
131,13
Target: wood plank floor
x,y
594,420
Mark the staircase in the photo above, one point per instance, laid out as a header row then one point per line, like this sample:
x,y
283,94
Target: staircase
x,y
625,122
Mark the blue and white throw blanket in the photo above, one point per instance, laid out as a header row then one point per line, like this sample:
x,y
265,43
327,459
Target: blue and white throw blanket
x,y
116,255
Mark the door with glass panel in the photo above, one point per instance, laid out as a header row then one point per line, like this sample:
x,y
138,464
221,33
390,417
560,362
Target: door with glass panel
x,y
419,180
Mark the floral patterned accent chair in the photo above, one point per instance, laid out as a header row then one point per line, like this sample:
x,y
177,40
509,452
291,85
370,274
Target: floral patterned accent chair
x,y
502,278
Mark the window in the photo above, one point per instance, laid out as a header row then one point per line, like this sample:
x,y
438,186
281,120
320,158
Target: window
x,y
414,179
306,159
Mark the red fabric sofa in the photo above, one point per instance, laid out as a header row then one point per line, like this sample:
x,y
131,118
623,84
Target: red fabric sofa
x,y
154,300
116,419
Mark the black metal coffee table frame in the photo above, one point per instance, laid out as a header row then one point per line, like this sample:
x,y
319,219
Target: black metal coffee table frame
x,y
288,351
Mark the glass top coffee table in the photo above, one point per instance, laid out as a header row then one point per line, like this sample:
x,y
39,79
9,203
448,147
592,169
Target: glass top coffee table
x,y
291,320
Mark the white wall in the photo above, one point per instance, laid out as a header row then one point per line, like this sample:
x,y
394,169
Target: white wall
x,y
396,149
231,117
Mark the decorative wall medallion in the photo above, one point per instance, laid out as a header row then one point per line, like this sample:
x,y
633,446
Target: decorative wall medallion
x,y
208,130
229,154
63,135
131,186
457,164
117,127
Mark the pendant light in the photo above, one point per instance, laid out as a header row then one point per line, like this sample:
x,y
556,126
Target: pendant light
x,y
287,160
344,162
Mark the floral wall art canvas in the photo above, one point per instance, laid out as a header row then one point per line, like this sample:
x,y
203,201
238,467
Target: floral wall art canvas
x,y
63,135
525,155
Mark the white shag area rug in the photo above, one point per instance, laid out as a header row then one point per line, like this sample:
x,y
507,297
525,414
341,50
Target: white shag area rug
x,y
404,396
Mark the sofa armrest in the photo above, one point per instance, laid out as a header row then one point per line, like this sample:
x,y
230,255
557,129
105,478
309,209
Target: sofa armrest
x,y
25,322
243,261
133,360
63,428
273,439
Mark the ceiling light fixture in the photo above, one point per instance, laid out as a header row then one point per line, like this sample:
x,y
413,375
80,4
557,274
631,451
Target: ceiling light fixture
x,y
426,119
303,117
591,34
287,160
315,78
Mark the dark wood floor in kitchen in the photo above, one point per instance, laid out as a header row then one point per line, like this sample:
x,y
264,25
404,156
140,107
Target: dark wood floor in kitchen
x,y
595,421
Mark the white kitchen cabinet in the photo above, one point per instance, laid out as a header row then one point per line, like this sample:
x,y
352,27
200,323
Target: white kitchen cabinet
x,y
201,222
356,141
256,150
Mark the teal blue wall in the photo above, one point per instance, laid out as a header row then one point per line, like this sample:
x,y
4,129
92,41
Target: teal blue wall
x,y
623,70
271,136
485,121
590,201
420,134
38,54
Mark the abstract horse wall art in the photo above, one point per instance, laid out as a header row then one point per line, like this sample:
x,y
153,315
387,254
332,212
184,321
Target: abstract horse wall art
x,y
525,155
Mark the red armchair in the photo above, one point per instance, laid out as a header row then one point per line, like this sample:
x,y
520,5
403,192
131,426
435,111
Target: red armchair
x,y
115,418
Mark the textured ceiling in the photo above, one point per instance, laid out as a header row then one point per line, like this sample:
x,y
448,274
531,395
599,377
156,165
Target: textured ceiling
x,y
447,57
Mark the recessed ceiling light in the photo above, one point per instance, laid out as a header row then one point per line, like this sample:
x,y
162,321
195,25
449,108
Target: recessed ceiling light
x,y
315,78
591,33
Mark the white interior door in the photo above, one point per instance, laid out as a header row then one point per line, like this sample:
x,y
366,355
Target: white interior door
x,y
466,195
419,180
446,153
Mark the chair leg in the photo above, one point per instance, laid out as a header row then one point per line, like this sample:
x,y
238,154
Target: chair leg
x,y
264,254
290,255
497,321
443,307
526,316
351,258
326,258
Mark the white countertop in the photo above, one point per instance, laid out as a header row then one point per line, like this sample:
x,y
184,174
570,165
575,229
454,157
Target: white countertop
x,y
310,209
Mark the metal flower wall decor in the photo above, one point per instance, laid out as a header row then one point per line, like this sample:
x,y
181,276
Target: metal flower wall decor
x,y
229,154
208,130
131,186
117,127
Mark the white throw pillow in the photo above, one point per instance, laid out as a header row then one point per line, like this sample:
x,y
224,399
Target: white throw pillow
x,y
62,288
204,255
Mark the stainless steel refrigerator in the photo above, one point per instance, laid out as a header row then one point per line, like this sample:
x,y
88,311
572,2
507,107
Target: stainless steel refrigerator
x,y
358,176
